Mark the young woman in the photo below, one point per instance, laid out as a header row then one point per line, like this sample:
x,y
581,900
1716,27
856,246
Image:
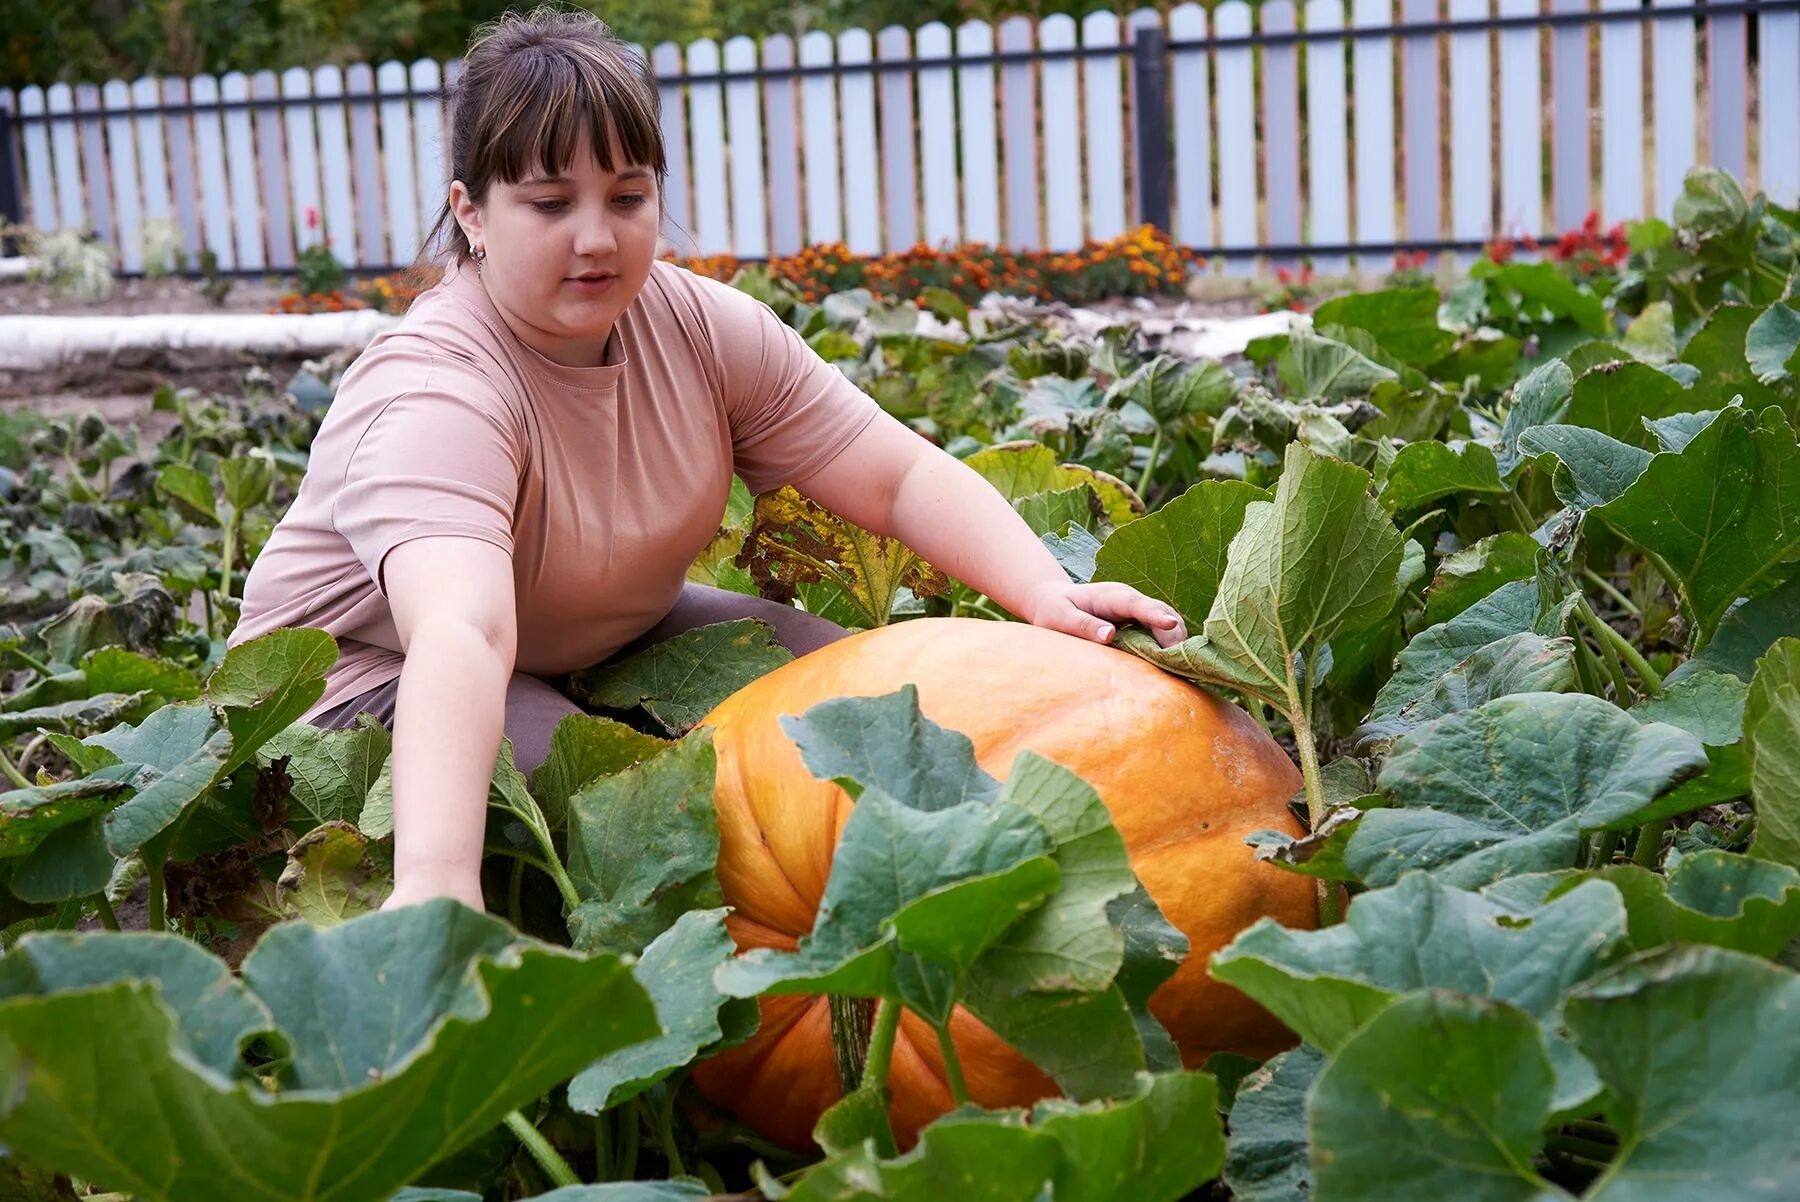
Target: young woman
x,y
513,482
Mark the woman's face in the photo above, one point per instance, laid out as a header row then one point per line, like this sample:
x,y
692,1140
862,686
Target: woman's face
x,y
565,254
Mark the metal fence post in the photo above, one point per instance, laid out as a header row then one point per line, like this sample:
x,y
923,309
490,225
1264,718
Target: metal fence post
x,y
12,199
1150,117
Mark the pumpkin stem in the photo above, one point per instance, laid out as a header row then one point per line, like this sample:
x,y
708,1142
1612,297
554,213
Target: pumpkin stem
x,y
953,1074
852,1020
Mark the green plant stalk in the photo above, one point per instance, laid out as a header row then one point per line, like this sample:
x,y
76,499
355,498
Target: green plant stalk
x,y
12,772
551,864
227,554
851,1024
1299,715
959,1088
159,918
1520,512
1606,586
1609,657
515,885
1587,670
108,918
1150,467
625,1167
665,1131
31,661
547,1157
881,1044
1648,847
603,1146
1607,847
1647,676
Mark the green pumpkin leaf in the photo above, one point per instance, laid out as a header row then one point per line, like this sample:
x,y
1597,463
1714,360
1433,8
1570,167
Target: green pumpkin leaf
x,y
265,684
1696,1045
29,816
1592,468
1024,469
1616,399
1539,399
643,846
332,771
1772,728
391,1070
1268,1157
583,749
1746,632
676,970
189,491
177,755
1424,472
1177,554
1439,1096
679,681
1510,786
1720,350
1466,576
1518,663
1711,897
1314,366
1403,321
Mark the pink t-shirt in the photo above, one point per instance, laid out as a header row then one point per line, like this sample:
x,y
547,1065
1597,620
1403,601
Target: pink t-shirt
x,y
603,482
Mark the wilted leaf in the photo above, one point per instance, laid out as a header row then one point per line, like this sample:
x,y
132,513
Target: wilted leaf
x,y
1023,469
1772,728
329,879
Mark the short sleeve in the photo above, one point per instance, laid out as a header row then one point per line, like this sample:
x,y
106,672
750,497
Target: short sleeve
x,y
791,412
441,460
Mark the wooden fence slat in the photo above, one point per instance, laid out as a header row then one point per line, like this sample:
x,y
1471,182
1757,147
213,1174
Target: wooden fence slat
x,y
1521,132
277,218
1062,149
678,202
782,138
1570,169
128,193
1471,131
339,185
365,153
712,218
1622,119
1778,35
1018,107
40,172
1327,134
819,148
1372,64
240,163
1237,137
900,198
1281,128
9,103
214,192
94,168
152,156
937,137
862,170
303,159
71,206
1673,100
1193,129
1727,68
976,121
1105,136
428,146
397,162
184,168
1420,60
743,123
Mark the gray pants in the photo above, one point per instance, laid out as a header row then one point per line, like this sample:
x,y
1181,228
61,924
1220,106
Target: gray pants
x,y
534,706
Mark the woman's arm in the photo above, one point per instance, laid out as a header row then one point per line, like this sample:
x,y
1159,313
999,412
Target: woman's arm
x,y
453,606
894,482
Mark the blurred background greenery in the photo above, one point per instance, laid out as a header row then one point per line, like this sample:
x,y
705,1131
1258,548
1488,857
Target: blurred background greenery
x,y
44,41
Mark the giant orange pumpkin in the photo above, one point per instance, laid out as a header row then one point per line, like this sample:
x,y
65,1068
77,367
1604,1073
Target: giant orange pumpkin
x,y
1185,776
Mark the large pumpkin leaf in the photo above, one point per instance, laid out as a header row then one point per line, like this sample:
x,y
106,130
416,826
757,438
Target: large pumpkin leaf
x,y
1699,1048
583,749
679,680
1321,558
1711,897
685,1190
331,771
1720,513
1328,983
792,542
177,755
1314,366
1423,472
1720,349
1511,609
1156,1146
1616,399
1403,320
1591,468
411,1031
1518,663
1746,633
29,816
1510,786
1177,554
264,685
1466,576
1539,399
677,970
1772,724
1269,1157
1438,1096
329,877
1025,469
643,845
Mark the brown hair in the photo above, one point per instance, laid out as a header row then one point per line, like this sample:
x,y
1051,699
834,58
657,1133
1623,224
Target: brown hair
x,y
530,85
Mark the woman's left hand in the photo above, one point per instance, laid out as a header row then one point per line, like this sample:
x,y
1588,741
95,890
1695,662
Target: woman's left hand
x,y
1093,611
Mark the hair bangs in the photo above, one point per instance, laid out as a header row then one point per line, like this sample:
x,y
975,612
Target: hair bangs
x,y
544,106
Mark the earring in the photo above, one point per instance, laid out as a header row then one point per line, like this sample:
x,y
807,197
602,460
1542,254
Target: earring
x,y
480,254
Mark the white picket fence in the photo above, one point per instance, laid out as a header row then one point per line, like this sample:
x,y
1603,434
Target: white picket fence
x,y
1019,133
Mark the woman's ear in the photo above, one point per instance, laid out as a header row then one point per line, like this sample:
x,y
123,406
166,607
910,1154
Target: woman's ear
x,y
466,212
